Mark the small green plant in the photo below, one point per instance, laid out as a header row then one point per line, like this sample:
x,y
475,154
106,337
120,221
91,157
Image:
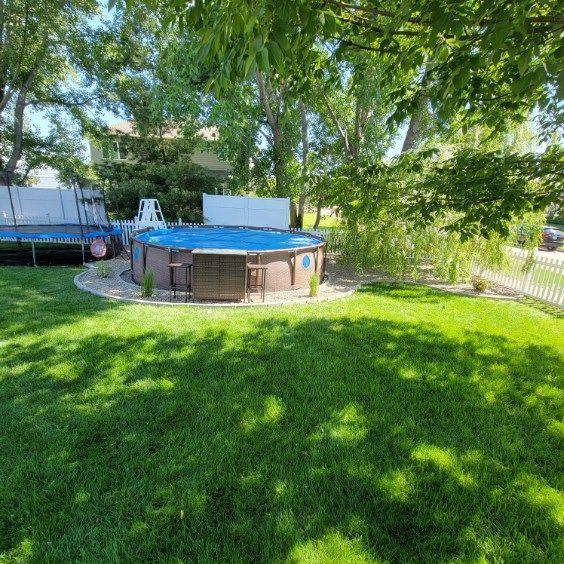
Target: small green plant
x,y
103,269
148,284
480,284
313,285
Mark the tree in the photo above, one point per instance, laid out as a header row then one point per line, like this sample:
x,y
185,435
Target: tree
x,y
488,59
62,149
447,62
42,47
141,72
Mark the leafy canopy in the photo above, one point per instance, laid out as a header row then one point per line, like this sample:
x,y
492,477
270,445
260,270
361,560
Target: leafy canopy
x,y
489,58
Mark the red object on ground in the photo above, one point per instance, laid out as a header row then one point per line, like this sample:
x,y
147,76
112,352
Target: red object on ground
x,y
98,248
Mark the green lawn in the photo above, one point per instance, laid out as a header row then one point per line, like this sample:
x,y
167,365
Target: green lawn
x,y
400,424
327,221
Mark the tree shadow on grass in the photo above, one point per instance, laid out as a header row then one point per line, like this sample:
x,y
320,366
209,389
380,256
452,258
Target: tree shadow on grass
x,y
292,439
39,299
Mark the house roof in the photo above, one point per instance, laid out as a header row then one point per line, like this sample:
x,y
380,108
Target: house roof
x,y
126,128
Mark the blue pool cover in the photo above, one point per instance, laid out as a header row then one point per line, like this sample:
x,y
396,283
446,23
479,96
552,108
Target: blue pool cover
x,y
63,231
234,238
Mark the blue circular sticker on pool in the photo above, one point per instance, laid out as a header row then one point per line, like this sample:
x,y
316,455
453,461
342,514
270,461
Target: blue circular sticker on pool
x,y
306,261
136,253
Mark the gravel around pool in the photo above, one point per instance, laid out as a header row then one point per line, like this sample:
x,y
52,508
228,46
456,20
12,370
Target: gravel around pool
x,y
341,281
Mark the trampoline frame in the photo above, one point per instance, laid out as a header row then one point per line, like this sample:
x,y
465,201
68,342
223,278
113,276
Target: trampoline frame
x,y
19,234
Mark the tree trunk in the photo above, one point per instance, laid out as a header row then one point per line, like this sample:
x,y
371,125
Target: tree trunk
x,y
318,214
16,153
26,175
413,132
340,130
19,109
293,215
273,120
305,156
278,168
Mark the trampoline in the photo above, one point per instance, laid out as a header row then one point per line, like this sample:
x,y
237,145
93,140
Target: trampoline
x,y
49,232
55,216
291,257
57,234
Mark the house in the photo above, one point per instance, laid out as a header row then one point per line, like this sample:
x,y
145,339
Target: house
x,y
208,160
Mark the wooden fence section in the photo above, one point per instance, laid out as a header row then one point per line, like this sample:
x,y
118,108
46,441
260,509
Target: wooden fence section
x,y
540,277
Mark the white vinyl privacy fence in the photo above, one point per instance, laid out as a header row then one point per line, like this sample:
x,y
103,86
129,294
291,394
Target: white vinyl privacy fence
x,y
51,206
246,210
540,277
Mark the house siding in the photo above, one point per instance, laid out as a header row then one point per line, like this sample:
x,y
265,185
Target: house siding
x,y
208,160
211,162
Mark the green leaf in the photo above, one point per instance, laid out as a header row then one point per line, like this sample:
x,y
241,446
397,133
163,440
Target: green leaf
x,y
262,60
282,40
560,87
498,37
249,65
257,44
276,54
523,63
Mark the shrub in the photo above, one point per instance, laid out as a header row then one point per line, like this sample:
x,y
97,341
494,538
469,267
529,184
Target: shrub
x,y
103,269
313,285
403,250
480,284
148,284
177,186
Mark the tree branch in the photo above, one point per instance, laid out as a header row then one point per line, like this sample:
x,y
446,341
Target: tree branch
x,y
342,132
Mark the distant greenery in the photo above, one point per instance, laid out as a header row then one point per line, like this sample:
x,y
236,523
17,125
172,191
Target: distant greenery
x,y
327,222
400,424
401,249
177,186
45,65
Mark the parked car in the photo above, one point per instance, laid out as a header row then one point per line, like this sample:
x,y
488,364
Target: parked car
x,y
551,238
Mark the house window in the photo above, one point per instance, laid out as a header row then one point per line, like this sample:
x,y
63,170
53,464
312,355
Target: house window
x,y
113,151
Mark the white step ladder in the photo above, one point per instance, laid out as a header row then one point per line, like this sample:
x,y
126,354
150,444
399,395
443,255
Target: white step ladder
x,y
149,215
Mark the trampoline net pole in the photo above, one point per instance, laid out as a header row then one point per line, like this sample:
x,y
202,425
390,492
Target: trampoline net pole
x,y
79,220
7,175
33,253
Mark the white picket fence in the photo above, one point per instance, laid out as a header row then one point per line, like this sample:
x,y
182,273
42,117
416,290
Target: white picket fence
x,y
46,219
540,277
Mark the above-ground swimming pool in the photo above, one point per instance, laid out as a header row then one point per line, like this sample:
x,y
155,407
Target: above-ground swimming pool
x,y
291,257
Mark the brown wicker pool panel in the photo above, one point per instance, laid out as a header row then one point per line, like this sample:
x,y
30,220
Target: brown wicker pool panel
x,y
149,257
219,275
287,269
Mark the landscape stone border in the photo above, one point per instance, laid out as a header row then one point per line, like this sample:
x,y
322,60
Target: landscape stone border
x,y
341,282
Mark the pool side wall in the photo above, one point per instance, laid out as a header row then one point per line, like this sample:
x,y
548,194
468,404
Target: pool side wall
x,y
281,275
